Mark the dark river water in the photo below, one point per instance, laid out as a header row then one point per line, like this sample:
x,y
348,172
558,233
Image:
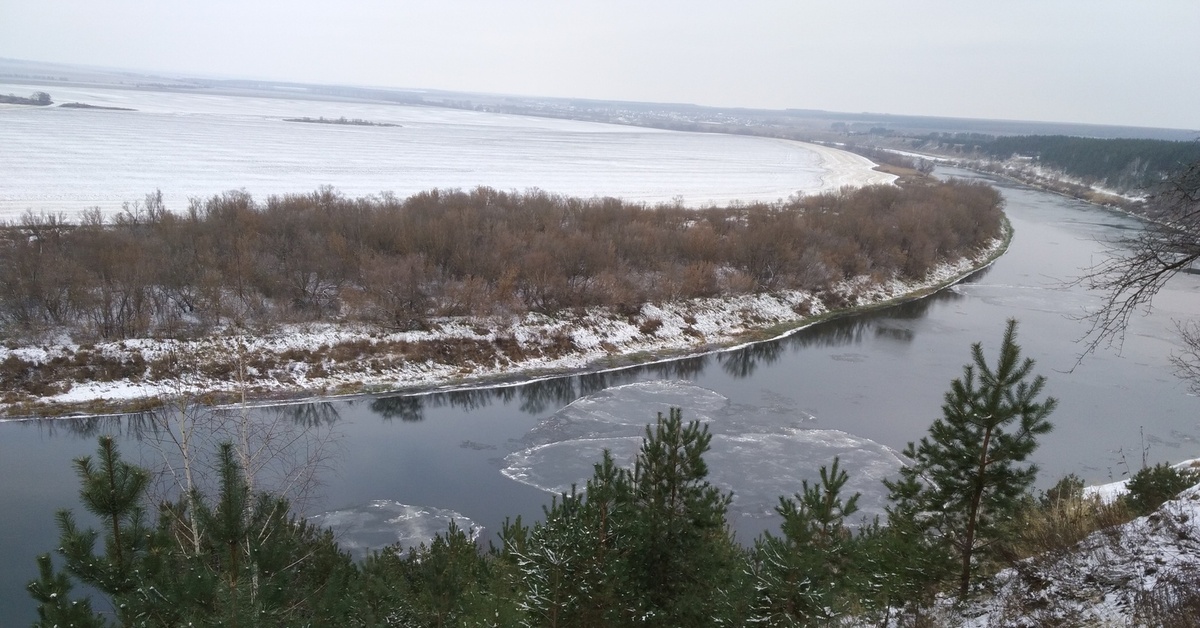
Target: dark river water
x,y
860,384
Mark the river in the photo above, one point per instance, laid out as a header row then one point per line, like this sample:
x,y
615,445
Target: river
x,y
858,387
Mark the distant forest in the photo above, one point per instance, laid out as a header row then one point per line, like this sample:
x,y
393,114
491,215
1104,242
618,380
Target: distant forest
x,y
1121,164
396,262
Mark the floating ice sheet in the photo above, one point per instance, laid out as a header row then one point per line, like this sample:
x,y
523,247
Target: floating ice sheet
x,y
758,453
364,529
1032,298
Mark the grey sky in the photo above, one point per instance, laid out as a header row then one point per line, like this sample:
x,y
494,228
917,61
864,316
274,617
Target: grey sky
x,y
1097,61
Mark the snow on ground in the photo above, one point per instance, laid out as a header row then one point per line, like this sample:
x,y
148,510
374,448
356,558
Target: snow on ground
x,y
598,338
1111,492
1104,580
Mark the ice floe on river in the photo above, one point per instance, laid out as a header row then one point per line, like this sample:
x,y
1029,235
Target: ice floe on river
x,y
758,453
361,530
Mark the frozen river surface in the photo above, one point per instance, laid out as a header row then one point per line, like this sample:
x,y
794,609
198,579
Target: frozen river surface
x,y
194,146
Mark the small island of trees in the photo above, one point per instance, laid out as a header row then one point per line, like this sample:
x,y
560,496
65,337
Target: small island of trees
x,y
342,120
83,105
37,99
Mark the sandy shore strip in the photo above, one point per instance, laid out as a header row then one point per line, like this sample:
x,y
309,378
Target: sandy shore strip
x,y
844,168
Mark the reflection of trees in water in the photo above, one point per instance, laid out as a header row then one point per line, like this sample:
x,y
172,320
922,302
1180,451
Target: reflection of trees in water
x,y
535,397
471,399
315,414
406,408
130,425
683,368
741,363
895,333
142,425
539,396
281,449
851,330
558,391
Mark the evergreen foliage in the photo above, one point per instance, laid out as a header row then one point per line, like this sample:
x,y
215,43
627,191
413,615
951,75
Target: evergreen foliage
x,y
966,478
915,561
1153,486
446,583
569,566
1119,163
647,546
809,573
257,565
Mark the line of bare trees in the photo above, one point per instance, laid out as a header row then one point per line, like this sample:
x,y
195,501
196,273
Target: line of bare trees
x,y
395,262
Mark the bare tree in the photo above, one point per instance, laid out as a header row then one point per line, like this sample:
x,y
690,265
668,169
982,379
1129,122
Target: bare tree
x,y
1139,267
281,450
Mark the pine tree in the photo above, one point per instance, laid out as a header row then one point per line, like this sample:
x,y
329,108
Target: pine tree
x,y
908,563
647,546
113,492
809,573
681,551
52,591
569,565
257,565
966,478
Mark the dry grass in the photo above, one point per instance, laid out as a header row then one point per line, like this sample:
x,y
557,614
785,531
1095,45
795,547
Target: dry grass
x,y
1174,602
1055,527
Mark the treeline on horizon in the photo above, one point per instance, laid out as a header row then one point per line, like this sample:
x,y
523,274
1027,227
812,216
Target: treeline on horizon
x,y
396,262
1121,164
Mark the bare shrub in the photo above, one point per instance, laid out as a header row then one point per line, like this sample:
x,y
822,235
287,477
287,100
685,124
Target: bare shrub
x,y
650,326
324,257
1173,602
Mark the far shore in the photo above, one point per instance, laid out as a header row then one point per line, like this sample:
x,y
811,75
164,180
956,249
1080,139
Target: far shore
x,y
341,361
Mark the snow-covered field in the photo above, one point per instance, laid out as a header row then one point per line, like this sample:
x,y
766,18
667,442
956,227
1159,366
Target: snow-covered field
x,y
194,146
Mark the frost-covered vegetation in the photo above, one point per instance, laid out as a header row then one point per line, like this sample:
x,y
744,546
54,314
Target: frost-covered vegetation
x,y
324,257
445,281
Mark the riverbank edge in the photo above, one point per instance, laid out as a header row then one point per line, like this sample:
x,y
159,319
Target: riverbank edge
x,y
435,378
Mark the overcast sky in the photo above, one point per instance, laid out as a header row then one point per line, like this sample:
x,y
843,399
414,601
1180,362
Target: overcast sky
x,y
1098,61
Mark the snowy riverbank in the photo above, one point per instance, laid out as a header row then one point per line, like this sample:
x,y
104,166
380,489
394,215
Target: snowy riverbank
x,y
1125,575
295,361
